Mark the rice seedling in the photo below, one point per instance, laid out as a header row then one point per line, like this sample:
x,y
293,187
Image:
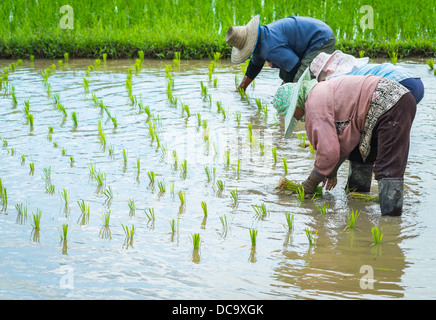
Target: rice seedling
x,y
74,117
208,173
174,225
237,168
196,239
220,185
184,167
3,198
274,154
203,90
204,207
151,176
176,59
64,232
235,196
150,215
363,197
300,194
105,217
224,224
32,168
23,159
100,178
168,69
262,148
311,235
108,193
5,143
27,107
50,189
86,84
65,196
64,151
138,166
125,156
97,62
30,118
351,218
312,150
430,64
285,165
62,109
394,57
101,134
182,197
289,221
227,157
21,213
72,161
36,219
66,56
261,211
104,57
129,234
377,235
46,174
185,109
253,237
302,138
84,211
141,55
161,186
323,209
238,117
32,58
60,63
132,206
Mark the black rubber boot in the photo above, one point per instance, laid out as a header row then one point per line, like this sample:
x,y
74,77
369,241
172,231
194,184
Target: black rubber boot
x,y
360,176
390,191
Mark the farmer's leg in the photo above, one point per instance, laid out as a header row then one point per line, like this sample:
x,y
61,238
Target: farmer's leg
x,y
393,135
359,172
329,47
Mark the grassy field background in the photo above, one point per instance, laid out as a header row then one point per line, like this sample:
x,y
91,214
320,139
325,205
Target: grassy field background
x,y
197,28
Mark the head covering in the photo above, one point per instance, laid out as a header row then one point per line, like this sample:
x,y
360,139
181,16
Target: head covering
x,y
290,96
335,64
243,39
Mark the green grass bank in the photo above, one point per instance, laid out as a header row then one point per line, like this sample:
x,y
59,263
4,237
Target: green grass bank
x,y
88,28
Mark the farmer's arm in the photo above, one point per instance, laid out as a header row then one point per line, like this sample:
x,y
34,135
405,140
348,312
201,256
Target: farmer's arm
x,y
254,67
323,136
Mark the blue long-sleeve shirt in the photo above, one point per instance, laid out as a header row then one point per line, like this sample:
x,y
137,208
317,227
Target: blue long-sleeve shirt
x,y
286,41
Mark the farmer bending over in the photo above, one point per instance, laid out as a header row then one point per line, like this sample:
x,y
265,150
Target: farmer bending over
x,y
289,44
364,118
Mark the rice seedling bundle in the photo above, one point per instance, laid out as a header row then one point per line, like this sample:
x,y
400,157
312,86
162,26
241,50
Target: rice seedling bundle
x,y
253,237
377,234
363,197
311,235
351,218
195,237
286,184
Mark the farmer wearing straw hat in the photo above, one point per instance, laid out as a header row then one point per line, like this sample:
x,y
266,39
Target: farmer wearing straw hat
x,y
367,117
289,44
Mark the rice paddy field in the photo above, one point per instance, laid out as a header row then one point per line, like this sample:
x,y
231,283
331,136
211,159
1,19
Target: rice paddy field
x,y
131,168
197,28
156,179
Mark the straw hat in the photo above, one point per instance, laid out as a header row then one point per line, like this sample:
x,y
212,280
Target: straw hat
x,y
335,64
285,101
243,39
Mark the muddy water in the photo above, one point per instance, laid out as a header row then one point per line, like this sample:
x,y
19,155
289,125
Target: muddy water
x,y
98,263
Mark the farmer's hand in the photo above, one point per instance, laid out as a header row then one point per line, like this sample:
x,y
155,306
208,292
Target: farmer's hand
x,y
312,182
330,182
244,83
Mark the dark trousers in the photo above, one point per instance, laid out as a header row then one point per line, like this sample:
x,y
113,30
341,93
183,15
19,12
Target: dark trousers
x,y
390,140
